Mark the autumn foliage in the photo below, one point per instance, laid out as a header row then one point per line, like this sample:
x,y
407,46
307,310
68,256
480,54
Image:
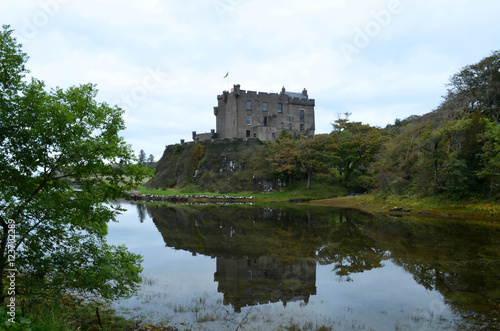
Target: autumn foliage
x,y
452,150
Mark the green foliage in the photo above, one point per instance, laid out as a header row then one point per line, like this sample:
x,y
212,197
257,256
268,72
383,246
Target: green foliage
x,y
178,149
452,150
198,152
20,323
66,314
296,157
284,157
490,159
440,154
476,87
62,161
142,157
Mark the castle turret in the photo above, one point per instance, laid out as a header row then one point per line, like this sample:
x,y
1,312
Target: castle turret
x,y
236,90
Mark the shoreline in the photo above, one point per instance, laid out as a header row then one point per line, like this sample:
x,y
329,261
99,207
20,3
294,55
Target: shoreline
x,y
434,208
404,207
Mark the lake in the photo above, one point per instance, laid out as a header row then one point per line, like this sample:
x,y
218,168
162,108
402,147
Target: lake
x,y
300,267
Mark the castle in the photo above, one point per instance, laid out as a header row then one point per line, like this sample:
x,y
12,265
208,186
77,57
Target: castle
x,y
250,114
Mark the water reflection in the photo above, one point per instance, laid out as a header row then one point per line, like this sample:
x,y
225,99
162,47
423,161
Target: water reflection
x,y
253,281
267,255
141,212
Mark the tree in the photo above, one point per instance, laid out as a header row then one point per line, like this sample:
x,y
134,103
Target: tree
x,y
490,158
284,156
142,157
61,162
151,159
315,156
396,162
354,148
478,86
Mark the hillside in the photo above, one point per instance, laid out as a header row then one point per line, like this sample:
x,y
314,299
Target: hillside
x,y
227,165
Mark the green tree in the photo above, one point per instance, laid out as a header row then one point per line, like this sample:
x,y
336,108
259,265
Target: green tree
x,y
142,157
62,161
355,147
151,159
315,156
457,161
477,86
490,158
394,163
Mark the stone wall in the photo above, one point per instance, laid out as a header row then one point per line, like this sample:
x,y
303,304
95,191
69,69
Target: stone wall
x,y
251,114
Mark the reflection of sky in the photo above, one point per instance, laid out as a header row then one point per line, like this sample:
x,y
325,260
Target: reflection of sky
x,y
383,298
161,261
375,296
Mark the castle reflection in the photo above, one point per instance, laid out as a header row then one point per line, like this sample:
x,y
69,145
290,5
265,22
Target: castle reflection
x,y
253,281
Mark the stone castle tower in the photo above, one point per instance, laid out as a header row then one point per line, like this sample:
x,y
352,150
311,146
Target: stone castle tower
x,y
250,114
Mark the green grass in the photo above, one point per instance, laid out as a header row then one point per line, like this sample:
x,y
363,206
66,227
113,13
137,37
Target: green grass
x,y
63,315
295,190
436,207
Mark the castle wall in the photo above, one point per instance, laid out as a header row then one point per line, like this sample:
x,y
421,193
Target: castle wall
x,y
251,114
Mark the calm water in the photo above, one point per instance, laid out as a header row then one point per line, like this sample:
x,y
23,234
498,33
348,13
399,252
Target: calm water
x,y
254,268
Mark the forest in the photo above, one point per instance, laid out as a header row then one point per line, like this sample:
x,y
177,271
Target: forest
x,y
454,150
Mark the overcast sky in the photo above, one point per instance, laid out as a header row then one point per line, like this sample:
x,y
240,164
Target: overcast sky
x,y
163,61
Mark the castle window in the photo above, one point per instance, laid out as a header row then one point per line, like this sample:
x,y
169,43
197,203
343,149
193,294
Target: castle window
x,y
273,135
290,126
264,106
249,105
248,134
282,125
280,108
301,113
302,129
264,121
249,119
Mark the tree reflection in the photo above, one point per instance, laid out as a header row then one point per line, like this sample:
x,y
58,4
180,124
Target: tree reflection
x,y
350,251
141,212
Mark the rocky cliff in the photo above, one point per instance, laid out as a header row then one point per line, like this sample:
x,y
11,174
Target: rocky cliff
x,y
226,165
